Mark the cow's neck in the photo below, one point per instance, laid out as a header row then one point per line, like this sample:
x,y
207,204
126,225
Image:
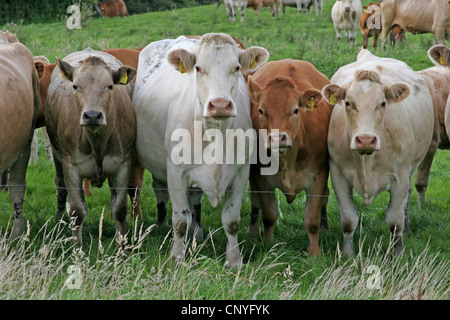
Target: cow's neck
x,y
95,142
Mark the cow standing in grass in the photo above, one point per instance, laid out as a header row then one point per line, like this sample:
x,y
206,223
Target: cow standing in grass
x,y
186,89
19,106
112,8
346,15
286,98
380,130
92,129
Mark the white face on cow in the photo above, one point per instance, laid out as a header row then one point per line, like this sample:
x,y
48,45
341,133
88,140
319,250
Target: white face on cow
x,y
217,64
93,86
365,101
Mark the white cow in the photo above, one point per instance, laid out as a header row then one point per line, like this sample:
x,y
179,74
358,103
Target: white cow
x,y
303,5
346,15
380,130
231,8
185,87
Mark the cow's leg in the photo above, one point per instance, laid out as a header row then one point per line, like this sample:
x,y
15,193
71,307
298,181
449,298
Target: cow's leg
x,y
135,187
347,210
34,154
4,180
162,197
269,208
195,196
365,40
312,212
16,187
78,210
242,13
48,146
396,213
231,214
181,215
230,12
323,210
338,32
385,27
61,190
118,187
375,39
255,207
87,188
423,171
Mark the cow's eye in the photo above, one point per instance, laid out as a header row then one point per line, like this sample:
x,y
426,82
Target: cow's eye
x,y
383,105
75,87
261,112
237,68
296,110
198,69
110,87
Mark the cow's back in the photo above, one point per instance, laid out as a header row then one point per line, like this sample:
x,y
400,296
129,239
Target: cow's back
x,y
17,111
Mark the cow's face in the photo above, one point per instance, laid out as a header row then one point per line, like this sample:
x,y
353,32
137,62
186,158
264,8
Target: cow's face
x,y
365,101
217,64
93,85
279,108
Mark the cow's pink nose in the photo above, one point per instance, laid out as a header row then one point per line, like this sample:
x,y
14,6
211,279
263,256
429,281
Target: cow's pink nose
x,y
220,108
366,142
347,8
281,139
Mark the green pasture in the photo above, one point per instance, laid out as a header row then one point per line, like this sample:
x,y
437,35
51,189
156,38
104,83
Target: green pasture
x,y
38,265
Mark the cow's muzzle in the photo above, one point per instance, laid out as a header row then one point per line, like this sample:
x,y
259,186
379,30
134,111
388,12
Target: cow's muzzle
x,y
93,118
366,143
220,109
279,141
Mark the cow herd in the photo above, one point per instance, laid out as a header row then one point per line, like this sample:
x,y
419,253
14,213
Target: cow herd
x,y
176,104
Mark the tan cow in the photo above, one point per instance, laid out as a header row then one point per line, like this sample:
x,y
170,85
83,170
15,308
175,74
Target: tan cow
x,y
285,96
19,105
112,8
258,4
440,55
416,16
438,81
346,15
92,127
380,130
128,57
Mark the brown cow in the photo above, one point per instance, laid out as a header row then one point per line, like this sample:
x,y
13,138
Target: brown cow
x,y
285,95
19,105
258,4
112,8
438,82
92,127
416,16
128,57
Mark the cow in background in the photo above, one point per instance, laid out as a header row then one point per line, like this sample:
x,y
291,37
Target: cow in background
x,y
303,5
258,4
346,15
19,106
231,6
380,130
92,128
416,16
112,8
285,97
438,81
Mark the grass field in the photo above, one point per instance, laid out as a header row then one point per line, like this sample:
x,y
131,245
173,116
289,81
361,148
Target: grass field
x,y
38,266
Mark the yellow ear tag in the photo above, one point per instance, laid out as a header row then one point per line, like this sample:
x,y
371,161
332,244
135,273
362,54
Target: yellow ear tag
x,y
63,75
253,65
365,10
181,67
310,104
124,78
441,59
333,99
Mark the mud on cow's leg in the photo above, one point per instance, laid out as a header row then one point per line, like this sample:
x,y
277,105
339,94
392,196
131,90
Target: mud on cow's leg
x,y
195,196
162,197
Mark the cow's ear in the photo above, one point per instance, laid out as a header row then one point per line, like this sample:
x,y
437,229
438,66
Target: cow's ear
x,y
397,92
251,58
182,60
310,99
332,93
39,66
440,55
254,90
124,75
66,69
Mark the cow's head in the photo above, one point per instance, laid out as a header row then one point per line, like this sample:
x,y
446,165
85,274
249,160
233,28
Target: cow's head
x,y
365,100
280,106
217,64
440,55
93,83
